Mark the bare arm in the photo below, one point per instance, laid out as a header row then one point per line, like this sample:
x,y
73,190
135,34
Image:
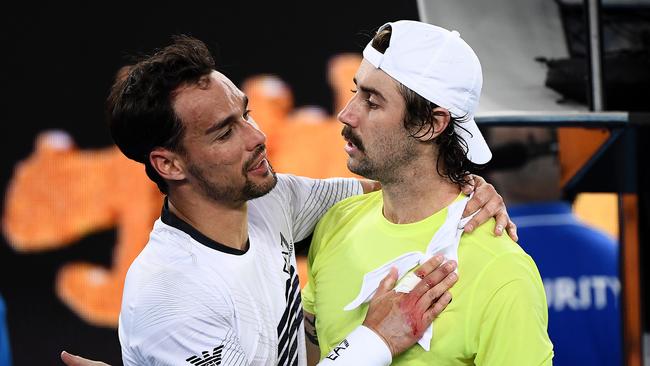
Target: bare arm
x,y
311,339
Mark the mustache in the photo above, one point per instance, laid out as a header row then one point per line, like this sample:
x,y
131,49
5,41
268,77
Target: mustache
x,y
347,133
259,151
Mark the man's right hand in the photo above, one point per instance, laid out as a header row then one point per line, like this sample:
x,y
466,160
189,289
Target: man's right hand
x,y
400,319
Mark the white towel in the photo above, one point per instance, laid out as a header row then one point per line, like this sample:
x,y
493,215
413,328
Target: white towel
x,y
445,241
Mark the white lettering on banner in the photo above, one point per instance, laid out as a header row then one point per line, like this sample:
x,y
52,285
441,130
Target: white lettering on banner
x,y
567,293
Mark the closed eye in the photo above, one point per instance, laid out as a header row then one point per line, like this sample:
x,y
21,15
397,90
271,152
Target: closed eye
x,y
225,135
367,100
370,104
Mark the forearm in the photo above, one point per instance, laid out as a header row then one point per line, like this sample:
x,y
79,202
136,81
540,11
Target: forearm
x,y
311,339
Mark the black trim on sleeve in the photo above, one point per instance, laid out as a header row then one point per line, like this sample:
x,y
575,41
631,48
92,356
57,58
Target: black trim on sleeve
x,y
170,219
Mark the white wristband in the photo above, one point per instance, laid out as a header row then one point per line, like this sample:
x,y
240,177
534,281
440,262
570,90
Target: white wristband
x,y
361,347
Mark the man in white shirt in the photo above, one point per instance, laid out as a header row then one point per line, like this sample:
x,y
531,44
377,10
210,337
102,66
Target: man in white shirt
x,y
217,282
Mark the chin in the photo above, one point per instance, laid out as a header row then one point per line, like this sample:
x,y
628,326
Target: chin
x,y
360,168
260,187
353,166
269,182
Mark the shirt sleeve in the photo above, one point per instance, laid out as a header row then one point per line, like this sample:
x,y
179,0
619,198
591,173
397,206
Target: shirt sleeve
x,y
309,199
514,318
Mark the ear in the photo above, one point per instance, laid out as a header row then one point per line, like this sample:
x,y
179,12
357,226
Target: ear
x,y
440,122
168,164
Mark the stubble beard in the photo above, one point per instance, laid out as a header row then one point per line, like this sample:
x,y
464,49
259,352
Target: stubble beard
x,y
386,169
226,193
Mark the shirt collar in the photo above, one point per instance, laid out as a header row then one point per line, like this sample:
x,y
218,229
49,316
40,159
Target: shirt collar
x,y
168,217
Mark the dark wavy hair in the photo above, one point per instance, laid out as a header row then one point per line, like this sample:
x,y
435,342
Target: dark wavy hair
x,y
139,107
419,117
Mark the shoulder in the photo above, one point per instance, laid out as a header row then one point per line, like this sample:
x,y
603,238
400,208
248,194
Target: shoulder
x,y
287,191
289,182
497,260
350,208
500,276
170,279
285,187
482,242
170,314
149,285
293,185
340,218
168,300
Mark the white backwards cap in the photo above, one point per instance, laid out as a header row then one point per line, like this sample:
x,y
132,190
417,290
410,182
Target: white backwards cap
x,y
439,66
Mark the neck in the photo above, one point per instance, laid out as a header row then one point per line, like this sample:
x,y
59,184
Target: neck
x,y
418,194
223,223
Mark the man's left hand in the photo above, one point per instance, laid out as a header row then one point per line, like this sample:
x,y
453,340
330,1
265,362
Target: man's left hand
x,y
490,203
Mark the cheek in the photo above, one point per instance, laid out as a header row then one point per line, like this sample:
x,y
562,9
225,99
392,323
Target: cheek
x,y
229,160
381,128
219,164
379,144
227,155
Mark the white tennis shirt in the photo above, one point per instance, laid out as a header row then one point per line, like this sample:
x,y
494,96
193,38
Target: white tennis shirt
x,y
189,300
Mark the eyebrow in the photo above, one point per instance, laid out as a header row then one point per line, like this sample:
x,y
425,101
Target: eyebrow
x,y
369,90
228,120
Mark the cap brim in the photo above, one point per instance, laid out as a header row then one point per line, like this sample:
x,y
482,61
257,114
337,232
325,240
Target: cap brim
x,y
478,150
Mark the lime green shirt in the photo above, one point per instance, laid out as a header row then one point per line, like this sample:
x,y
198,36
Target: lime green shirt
x,y
498,315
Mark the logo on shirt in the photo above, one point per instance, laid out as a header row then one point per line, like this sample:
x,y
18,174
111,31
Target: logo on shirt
x,y
208,359
287,248
336,352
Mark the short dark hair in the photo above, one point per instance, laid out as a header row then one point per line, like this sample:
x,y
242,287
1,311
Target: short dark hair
x,y
419,116
139,107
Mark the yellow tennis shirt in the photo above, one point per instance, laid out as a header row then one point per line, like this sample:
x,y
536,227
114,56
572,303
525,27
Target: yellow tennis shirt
x,y
498,315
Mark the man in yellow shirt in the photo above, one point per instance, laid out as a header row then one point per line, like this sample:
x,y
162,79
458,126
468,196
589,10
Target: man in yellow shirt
x,y
410,126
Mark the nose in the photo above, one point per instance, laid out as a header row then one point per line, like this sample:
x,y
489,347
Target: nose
x,y
254,136
348,114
